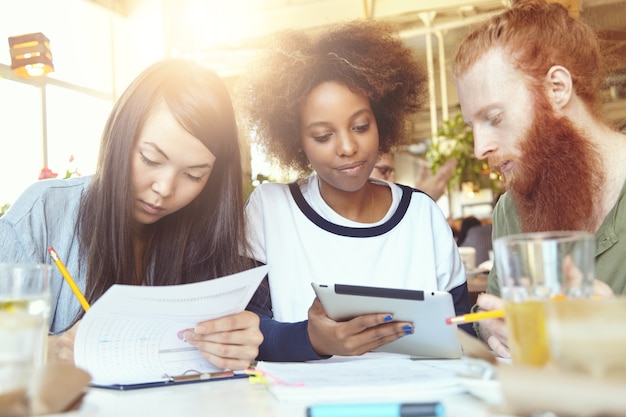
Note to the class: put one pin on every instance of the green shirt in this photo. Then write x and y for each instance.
(610, 242)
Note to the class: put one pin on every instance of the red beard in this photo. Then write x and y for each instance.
(558, 178)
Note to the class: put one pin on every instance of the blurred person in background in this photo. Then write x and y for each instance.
(434, 185)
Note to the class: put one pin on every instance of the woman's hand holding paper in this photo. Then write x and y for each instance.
(229, 342)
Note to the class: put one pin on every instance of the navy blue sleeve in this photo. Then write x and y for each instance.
(461, 299)
(282, 342)
(285, 342)
(261, 303)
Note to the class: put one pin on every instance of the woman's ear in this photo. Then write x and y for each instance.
(559, 86)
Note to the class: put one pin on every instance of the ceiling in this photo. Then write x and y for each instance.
(226, 35)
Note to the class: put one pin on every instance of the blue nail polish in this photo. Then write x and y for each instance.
(408, 329)
(388, 318)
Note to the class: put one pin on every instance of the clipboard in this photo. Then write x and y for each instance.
(177, 380)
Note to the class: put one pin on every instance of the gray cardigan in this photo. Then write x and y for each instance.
(45, 215)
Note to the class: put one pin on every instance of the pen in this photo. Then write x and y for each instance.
(434, 409)
(68, 279)
(481, 315)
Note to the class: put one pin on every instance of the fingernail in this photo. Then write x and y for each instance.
(388, 318)
(185, 335)
(408, 329)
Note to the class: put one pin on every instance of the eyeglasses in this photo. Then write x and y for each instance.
(385, 170)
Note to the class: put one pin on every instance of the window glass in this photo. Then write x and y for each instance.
(75, 124)
(21, 157)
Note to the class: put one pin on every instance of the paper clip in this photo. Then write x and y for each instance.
(193, 375)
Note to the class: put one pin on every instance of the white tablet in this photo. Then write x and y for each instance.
(427, 310)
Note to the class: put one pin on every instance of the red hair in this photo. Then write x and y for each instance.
(538, 35)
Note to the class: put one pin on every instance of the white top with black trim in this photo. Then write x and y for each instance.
(304, 240)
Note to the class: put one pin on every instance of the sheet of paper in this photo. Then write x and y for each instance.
(371, 377)
(133, 334)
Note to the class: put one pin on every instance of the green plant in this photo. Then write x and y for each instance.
(455, 139)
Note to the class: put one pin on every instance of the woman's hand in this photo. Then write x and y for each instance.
(229, 342)
(61, 347)
(354, 337)
(493, 331)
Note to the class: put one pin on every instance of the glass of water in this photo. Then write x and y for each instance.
(24, 318)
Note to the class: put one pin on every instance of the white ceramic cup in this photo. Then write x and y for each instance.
(468, 256)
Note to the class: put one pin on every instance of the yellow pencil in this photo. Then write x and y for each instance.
(481, 315)
(68, 279)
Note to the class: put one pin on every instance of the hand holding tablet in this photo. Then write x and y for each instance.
(427, 310)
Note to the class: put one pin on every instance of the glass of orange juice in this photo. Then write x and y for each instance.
(535, 269)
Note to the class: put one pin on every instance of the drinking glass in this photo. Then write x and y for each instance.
(587, 336)
(24, 317)
(535, 269)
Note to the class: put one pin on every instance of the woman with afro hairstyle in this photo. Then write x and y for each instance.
(327, 106)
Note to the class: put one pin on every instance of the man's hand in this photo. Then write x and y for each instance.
(575, 279)
(493, 331)
(229, 342)
(354, 337)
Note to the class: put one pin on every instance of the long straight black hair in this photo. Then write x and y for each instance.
(200, 241)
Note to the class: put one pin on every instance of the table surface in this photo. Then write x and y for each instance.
(227, 398)
(238, 397)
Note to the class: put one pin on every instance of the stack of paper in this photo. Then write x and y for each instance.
(371, 377)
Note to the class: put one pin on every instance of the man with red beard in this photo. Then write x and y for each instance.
(529, 84)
